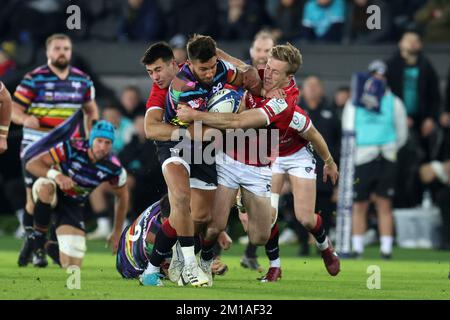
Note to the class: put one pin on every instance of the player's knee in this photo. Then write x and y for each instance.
(201, 219)
(259, 239)
(46, 192)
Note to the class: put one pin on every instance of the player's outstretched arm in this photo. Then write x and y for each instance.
(253, 118)
(120, 213)
(330, 168)
(5, 116)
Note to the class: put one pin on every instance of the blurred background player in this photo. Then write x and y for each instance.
(5, 116)
(381, 130)
(67, 175)
(45, 98)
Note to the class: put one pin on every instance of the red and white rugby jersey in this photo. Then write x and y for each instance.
(157, 98)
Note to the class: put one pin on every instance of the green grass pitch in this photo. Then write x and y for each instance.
(412, 274)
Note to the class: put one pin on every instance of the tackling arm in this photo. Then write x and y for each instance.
(155, 128)
(253, 118)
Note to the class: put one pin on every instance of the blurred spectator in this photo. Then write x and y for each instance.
(131, 103)
(192, 16)
(434, 17)
(141, 21)
(287, 19)
(259, 51)
(124, 127)
(178, 45)
(340, 97)
(356, 25)
(379, 120)
(324, 118)
(140, 160)
(7, 63)
(412, 78)
(243, 19)
(403, 12)
(323, 20)
(25, 16)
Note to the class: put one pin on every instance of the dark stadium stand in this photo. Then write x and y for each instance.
(118, 63)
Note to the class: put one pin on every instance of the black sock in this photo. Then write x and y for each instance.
(250, 250)
(39, 239)
(27, 221)
(186, 241)
(42, 215)
(197, 244)
(272, 248)
(208, 250)
(162, 247)
(319, 231)
(217, 250)
(52, 249)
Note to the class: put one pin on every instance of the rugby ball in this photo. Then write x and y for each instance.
(225, 100)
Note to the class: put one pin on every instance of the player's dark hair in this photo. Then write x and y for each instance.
(164, 204)
(201, 48)
(158, 50)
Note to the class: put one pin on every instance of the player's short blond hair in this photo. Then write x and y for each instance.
(290, 54)
(56, 36)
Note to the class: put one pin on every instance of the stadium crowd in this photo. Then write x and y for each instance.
(422, 160)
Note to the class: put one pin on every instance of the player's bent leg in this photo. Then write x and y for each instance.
(202, 202)
(259, 217)
(26, 251)
(221, 205)
(176, 176)
(304, 191)
(45, 199)
(72, 245)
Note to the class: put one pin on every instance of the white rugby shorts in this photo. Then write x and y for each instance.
(300, 164)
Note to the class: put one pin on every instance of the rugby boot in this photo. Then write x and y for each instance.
(331, 260)
(206, 268)
(251, 263)
(26, 252)
(176, 263)
(274, 274)
(150, 279)
(192, 274)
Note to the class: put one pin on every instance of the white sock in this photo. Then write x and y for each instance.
(151, 269)
(188, 254)
(386, 244)
(324, 245)
(358, 243)
(275, 263)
